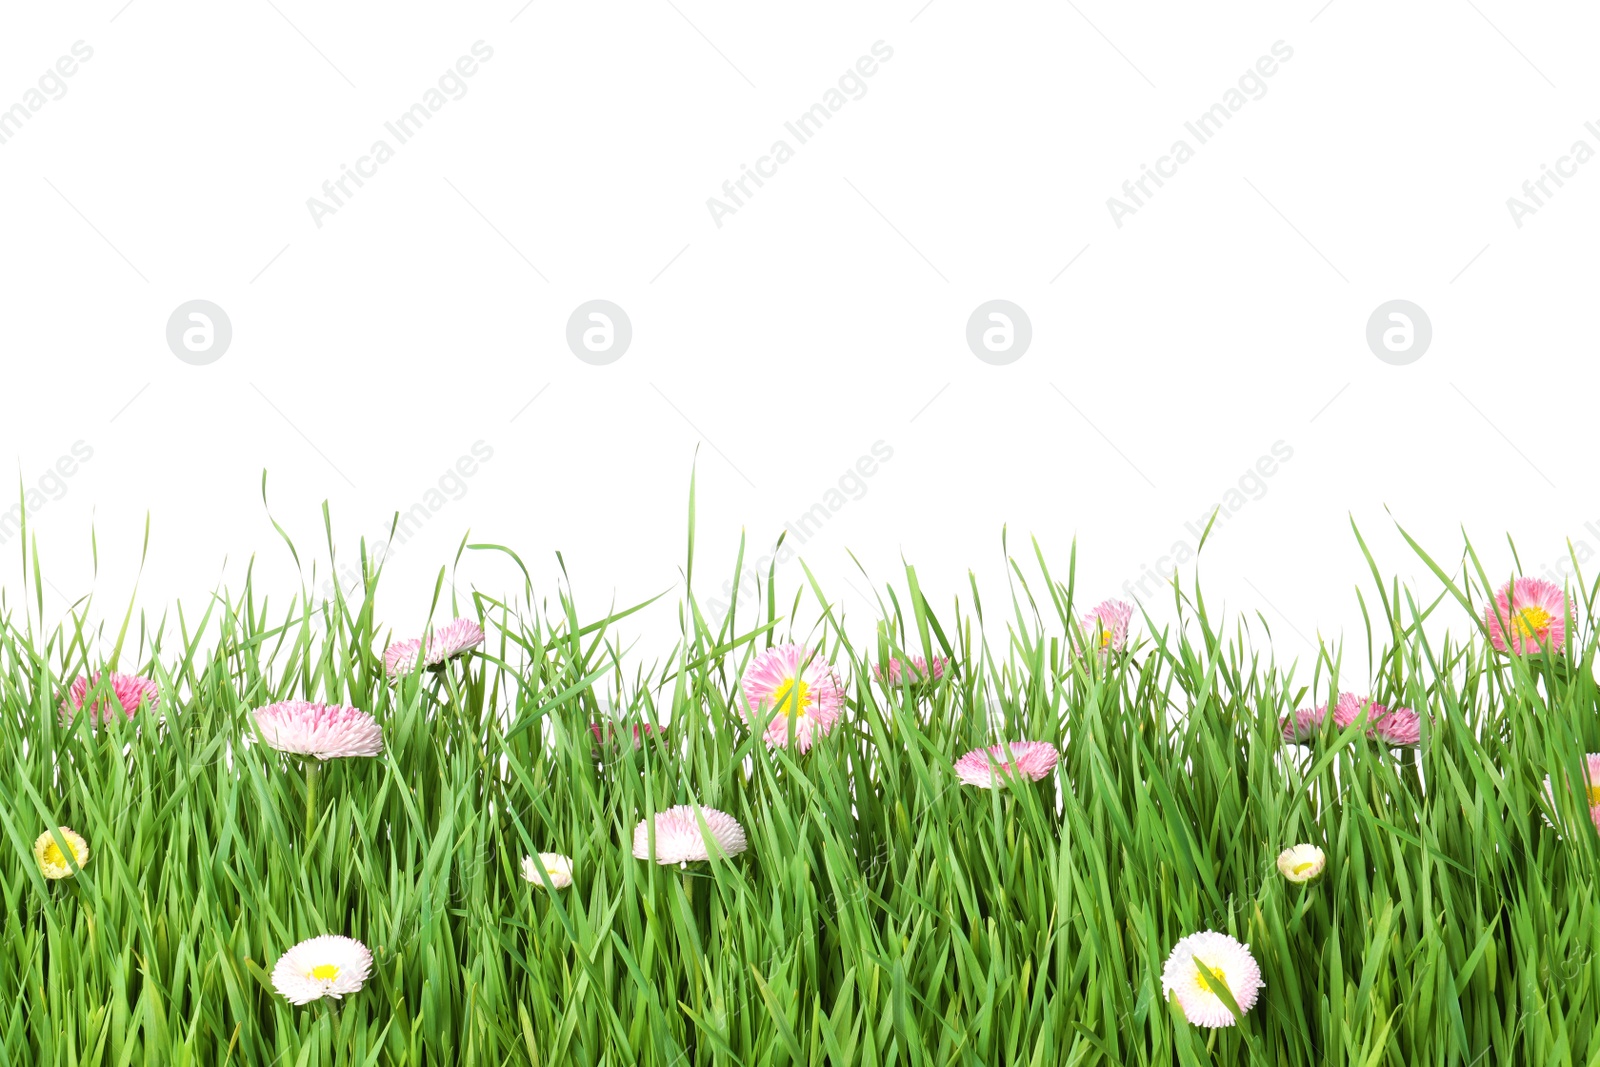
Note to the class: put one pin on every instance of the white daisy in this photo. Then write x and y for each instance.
(1227, 961)
(1301, 863)
(326, 966)
(557, 866)
(678, 836)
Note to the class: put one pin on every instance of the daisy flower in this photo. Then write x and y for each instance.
(455, 638)
(1226, 961)
(916, 670)
(1105, 629)
(1348, 709)
(326, 731)
(678, 836)
(1400, 728)
(128, 689)
(787, 682)
(52, 861)
(557, 866)
(1591, 787)
(986, 768)
(1303, 726)
(1534, 614)
(326, 966)
(1301, 864)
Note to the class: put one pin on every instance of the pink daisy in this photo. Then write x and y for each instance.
(1400, 728)
(1303, 726)
(326, 731)
(787, 682)
(129, 690)
(1105, 629)
(679, 839)
(1348, 709)
(916, 670)
(1591, 787)
(986, 768)
(1533, 610)
(446, 643)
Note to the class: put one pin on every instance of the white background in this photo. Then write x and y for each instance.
(827, 314)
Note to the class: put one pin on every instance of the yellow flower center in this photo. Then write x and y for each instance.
(1106, 637)
(1532, 622)
(1594, 793)
(792, 698)
(325, 972)
(1302, 868)
(1200, 976)
(53, 856)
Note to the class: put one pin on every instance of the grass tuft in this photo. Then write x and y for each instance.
(883, 913)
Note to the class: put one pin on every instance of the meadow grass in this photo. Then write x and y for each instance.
(883, 913)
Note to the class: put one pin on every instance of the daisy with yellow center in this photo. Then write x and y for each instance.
(326, 966)
(1198, 964)
(1528, 615)
(1301, 863)
(554, 864)
(789, 687)
(1589, 788)
(1105, 629)
(53, 863)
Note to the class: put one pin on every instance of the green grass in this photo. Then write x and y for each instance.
(882, 915)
